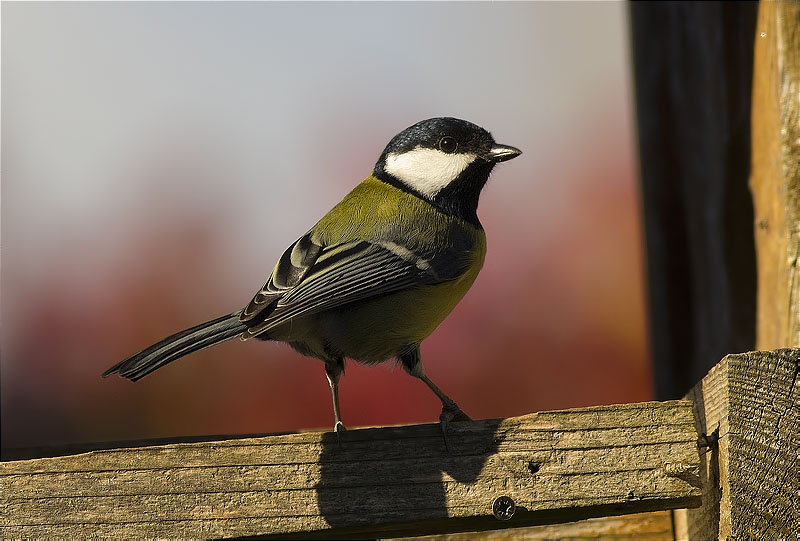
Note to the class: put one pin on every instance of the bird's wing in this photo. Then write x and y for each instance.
(311, 278)
(290, 270)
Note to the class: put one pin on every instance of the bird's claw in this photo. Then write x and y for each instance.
(450, 414)
(338, 428)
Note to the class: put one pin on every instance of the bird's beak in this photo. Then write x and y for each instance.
(502, 153)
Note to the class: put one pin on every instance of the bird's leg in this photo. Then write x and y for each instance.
(412, 362)
(334, 369)
(449, 408)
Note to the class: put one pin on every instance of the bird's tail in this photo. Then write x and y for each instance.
(179, 344)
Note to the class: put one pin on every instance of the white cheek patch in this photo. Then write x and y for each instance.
(427, 170)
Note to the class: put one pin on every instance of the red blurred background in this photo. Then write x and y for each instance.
(157, 159)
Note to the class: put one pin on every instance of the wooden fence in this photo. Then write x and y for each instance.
(729, 454)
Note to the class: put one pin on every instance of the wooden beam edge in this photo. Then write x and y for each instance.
(489, 458)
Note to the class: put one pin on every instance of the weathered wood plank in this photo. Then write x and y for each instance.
(775, 175)
(749, 405)
(556, 466)
(654, 526)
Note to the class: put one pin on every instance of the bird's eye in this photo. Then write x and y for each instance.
(448, 144)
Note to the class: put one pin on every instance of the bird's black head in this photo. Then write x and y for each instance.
(446, 161)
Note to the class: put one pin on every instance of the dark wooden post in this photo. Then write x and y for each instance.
(693, 70)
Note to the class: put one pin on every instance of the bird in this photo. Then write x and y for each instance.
(375, 275)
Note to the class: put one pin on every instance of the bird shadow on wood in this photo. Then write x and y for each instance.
(400, 475)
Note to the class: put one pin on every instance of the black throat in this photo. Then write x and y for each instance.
(459, 198)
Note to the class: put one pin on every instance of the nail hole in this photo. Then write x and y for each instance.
(534, 466)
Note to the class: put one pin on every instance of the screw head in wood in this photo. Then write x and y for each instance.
(503, 508)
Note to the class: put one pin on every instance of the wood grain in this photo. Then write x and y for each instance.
(751, 403)
(654, 526)
(557, 466)
(775, 175)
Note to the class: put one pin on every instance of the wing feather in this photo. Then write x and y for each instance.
(369, 271)
(342, 274)
(290, 270)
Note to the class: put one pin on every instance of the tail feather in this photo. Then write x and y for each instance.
(177, 345)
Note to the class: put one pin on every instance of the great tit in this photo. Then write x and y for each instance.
(379, 272)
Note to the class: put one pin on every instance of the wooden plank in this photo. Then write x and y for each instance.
(775, 176)
(749, 406)
(556, 466)
(654, 526)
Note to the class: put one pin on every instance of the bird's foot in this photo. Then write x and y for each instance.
(450, 413)
(454, 413)
(338, 428)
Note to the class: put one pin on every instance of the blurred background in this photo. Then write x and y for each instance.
(157, 158)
